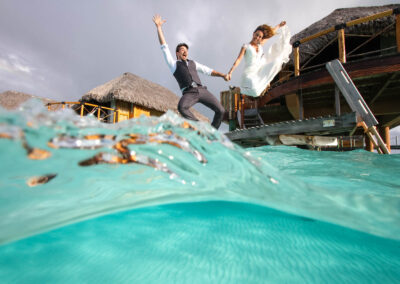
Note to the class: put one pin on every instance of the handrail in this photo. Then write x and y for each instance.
(350, 23)
(100, 109)
(341, 36)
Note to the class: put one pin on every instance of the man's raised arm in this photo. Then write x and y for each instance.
(159, 22)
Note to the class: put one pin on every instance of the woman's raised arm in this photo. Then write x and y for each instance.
(274, 29)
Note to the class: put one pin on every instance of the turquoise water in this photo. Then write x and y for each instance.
(193, 208)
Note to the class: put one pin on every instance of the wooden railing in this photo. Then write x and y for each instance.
(341, 37)
(103, 113)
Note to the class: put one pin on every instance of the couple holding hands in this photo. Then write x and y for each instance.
(259, 70)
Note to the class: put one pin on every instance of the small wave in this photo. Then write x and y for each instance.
(98, 168)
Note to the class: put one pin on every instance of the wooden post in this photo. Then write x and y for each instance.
(398, 32)
(379, 144)
(387, 137)
(114, 116)
(98, 113)
(379, 141)
(242, 112)
(301, 109)
(368, 143)
(337, 101)
(296, 57)
(82, 108)
(342, 46)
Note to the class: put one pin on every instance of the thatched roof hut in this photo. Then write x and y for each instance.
(12, 99)
(137, 91)
(338, 17)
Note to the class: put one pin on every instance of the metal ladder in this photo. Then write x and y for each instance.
(356, 103)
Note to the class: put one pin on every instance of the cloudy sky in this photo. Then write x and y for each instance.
(60, 49)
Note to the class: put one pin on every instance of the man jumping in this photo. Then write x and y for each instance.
(185, 72)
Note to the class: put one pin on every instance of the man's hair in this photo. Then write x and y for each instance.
(179, 46)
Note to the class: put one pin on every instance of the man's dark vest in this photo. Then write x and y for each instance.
(186, 74)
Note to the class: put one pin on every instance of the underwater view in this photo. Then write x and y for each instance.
(167, 200)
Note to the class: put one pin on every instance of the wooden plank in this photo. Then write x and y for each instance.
(350, 92)
(321, 125)
(315, 141)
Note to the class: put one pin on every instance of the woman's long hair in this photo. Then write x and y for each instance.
(266, 30)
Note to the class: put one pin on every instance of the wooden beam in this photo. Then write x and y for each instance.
(370, 39)
(296, 56)
(342, 46)
(337, 101)
(386, 107)
(373, 134)
(370, 18)
(390, 121)
(383, 87)
(368, 143)
(301, 106)
(398, 32)
(387, 137)
(242, 112)
(293, 105)
(327, 31)
(356, 69)
(348, 24)
(318, 53)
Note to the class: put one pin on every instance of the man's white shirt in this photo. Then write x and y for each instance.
(171, 62)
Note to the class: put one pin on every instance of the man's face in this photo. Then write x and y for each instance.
(182, 53)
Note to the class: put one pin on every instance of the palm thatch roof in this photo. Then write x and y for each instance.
(12, 99)
(134, 89)
(338, 17)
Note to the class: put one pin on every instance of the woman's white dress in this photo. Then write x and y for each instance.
(261, 68)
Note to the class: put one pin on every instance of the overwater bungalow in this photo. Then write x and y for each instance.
(125, 97)
(11, 100)
(304, 98)
(132, 96)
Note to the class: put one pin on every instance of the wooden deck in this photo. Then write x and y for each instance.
(259, 135)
